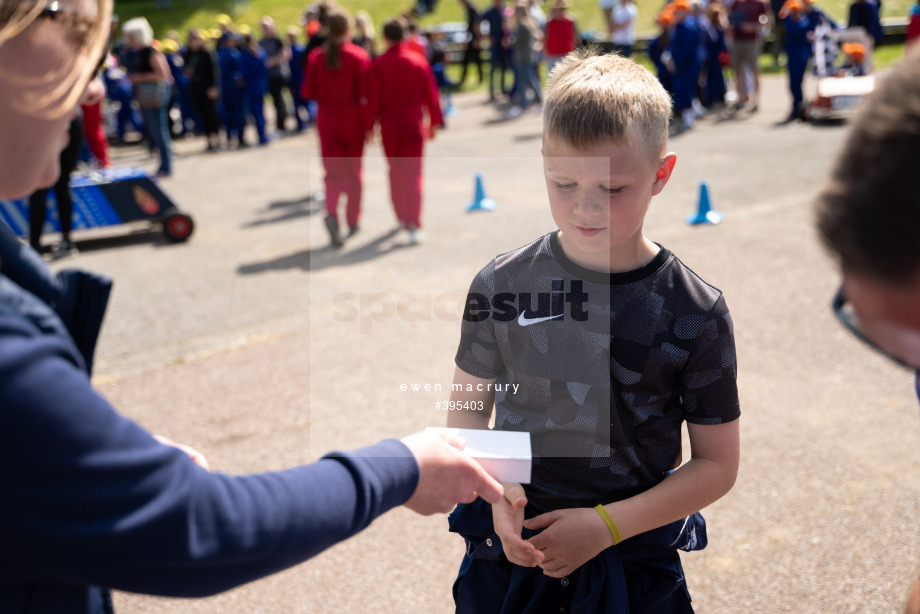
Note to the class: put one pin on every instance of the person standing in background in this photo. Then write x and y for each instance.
(402, 85)
(277, 58)
(337, 79)
(471, 53)
(152, 88)
(498, 47)
(716, 55)
(684, 62)
(298, 50)
(365, 36)
(255, 74)
(232, 89)
(865, 14)
(94, 133)
(800, 34)
(38, 201)
(560, 34)
(748, 20)
(202, 87)
(623, 27)
(526, 39)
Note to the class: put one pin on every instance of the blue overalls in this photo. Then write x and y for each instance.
(255, 74)
(231, 92)
(798, 52)
(685, 51)
(296, 65)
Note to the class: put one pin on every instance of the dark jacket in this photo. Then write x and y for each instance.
(89, 499)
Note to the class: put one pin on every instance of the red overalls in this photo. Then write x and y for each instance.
(402, 83)
(343, 119)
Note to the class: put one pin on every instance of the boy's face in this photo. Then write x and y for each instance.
(599, 196)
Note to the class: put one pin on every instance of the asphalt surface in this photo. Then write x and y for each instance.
(262, 347)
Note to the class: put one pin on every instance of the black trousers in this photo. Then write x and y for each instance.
(276, 87)
(471, 55)
(38, 201)
(207, 109)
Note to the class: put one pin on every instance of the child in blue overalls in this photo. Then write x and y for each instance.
(119, 89)
(685, 61)
(798, 45)
(716, 55)
(296, 64)
(255, 74)
(173, 52)
(658, 47)
(231, 88)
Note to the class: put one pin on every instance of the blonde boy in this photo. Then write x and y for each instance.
(613, 343)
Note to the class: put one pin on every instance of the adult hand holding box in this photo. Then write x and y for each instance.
(505, 455)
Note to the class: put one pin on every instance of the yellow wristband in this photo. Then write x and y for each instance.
(610, 524)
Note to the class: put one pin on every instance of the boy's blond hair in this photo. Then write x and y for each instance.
(592, 98)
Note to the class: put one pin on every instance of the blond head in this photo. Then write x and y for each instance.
(591, 99)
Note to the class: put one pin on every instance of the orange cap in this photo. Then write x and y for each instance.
(790, 6)
(665, 18)
(855, 50)
(677, 5)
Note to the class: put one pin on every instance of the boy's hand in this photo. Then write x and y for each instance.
(570, 538)
(508, 519)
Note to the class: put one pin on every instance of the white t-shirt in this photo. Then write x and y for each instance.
(608, 4)
(624, 14)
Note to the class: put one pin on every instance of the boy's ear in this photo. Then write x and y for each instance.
(663, 172)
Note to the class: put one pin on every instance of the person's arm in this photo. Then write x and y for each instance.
(574, 536)
(89, 497)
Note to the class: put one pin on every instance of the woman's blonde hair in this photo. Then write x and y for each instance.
(364, 25)
(139, 29)
(69, 80)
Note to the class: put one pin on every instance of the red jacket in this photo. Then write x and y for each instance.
(560, 36)
(340, 94)
(402, 82)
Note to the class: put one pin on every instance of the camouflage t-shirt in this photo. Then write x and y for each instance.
(600, 368)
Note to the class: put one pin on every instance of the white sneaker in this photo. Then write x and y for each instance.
(416, 236)
(63, 249)
(698, 107)
(514, 111)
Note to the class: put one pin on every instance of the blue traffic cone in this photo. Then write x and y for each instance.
(704, 214)
(480, 202)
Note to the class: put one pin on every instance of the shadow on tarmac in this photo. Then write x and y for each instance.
(293, 209)
(152, 234)
(326, 257)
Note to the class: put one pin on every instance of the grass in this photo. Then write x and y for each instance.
(203, 13)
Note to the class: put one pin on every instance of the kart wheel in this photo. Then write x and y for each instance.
(177, 226)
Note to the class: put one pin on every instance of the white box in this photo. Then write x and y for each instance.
(505, 455)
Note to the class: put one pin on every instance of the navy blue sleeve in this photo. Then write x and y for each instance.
(89, 497)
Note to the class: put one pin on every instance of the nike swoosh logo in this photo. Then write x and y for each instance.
(523, 320)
